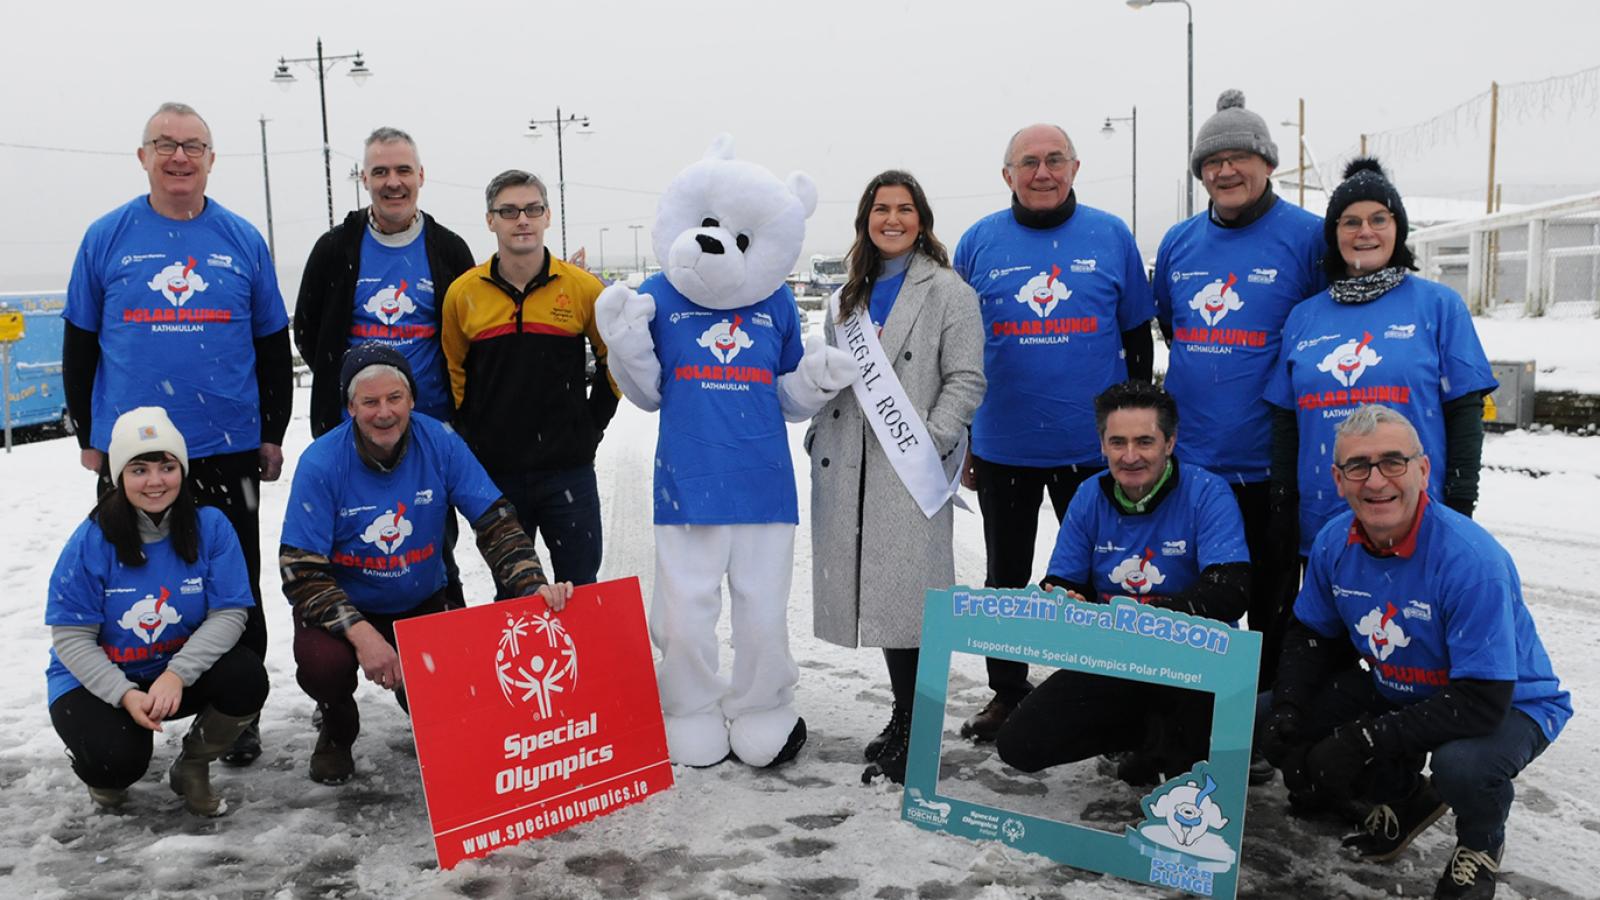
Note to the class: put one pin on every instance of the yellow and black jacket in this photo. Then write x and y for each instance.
(517, 367)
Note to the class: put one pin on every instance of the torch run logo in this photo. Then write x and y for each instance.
(536, 660)
(1043, 292)
(178, 282)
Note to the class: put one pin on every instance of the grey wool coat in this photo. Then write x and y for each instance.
(874, 553)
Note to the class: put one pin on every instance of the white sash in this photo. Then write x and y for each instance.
(900, 431)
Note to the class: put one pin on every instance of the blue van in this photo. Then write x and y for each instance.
(35, 387)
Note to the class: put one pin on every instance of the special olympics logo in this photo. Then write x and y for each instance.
(1012, 831)
(536, 660)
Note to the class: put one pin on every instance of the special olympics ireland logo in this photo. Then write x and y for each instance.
(536, 661)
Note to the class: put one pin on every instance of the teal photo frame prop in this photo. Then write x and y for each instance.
(1193, 829)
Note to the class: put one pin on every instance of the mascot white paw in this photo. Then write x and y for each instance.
(699, 741)
(767, 738)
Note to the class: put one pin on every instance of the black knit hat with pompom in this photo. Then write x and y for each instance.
(1364, 179)
(1232, 127)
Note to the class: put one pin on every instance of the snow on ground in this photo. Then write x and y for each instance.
(809, 829)
(1563, 344)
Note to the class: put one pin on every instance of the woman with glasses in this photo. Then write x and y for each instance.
(884, 454)
(1378, 334)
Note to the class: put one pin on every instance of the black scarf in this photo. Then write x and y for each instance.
(1369, 287)
(1049, 218)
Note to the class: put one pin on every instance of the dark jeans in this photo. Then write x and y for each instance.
(1472, 775)
(231, 482)
(564, 504)
(326, 666)
(1274, 581)
(1077, 715)
(1009, 498)
(109, 750)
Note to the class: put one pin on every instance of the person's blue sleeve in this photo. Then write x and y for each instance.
(77, 592)
(1074, 543)
(1161, 287)
(1480, 621)
(1280, 382)
(86, 294)
(962, 261)
(470, 488)
(1464, 367)
(1220, 527)
(1136, 306)
(309, 518)
(268, 315)
(1315, 278)
(228, 581)
(1314, 606)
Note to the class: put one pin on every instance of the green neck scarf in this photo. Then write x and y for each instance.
(1131, 506)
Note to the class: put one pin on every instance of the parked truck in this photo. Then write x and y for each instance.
(33, 383)
(828, 274)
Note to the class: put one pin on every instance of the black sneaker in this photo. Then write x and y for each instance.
(986, 724)
(1469, 874)
(246, 747)
(1388, 830)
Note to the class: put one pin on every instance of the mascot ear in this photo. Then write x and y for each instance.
(801, 185)
(721, 147)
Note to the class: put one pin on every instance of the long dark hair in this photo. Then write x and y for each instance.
(865, 257)
(118, 520)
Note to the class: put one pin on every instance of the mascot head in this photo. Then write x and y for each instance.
(728, 232)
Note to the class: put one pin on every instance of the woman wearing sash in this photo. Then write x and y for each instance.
(885, 453)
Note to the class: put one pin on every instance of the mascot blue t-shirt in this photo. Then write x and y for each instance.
(178, 306)
(145, 613)
(1149, 555)
(384, 532)
(396, 305)
(1412, 349)
(1451, 609)
(730, 464)
(1055, 303)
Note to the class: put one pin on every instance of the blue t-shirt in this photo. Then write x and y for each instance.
(1055, 303)
(178, 306)
(884, 293)
(1224, 294)
(1412, 349)
(1148, 555)
(395, 304)
(722, 457)
(1453, 609)
(145, 613)
(384, 532)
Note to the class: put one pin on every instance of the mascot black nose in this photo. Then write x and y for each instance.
(708, 244)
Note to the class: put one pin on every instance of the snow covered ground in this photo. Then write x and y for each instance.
(809, 829)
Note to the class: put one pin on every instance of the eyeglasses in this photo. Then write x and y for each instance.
(1389, 466)
(510, 213)
(1055, 162)
(1380, 221)
(1214, 164)
(168, 146)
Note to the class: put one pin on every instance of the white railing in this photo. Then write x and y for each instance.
(1432, 246)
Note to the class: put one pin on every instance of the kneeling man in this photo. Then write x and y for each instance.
(1457, 671)
(363, 542)
(1152, 531)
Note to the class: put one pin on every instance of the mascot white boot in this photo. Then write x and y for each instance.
(714, 342)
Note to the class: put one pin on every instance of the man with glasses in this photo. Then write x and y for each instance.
(1225, 281)
(173, 302)
(1066, 311)
(513, 331)
(1455, 668)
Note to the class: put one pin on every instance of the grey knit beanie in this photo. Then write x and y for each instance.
(1233, 127)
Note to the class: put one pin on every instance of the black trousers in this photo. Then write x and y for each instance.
(110, 750)
(1274, 581)
(1009, 498)
(1077, 715)
(231, 482)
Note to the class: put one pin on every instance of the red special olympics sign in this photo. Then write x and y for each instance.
(528, 722)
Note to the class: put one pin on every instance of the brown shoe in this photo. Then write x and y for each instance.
(986, 724)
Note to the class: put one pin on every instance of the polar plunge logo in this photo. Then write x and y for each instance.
(1217, 299)
(1042, 293)
(389, 530)
(536, 660)
(178, 282)
(390, 304)
(1138, 574)
(726, 339)
(1349, 360)
(150, 616)
(1383, 632)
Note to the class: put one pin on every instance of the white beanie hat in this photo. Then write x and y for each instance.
(144, 430)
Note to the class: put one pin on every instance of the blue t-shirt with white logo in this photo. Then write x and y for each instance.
(1148, 555)
(384, 531)
(1224, 294)
(395, 304)
(1412, 349)
(1055, 303)
(178, 306)
(1453, 609)
(145, 613)
(722, 455)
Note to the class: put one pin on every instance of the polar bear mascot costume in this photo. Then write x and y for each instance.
(714, 342)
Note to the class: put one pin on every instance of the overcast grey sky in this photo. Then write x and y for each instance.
(840, 90)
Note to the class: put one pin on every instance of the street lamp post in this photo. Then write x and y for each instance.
(359, 73)
(602, 262)
(355, 181)
(636, 229)
(1188, 179)
(1110, 129)
(561, 167)
(266, 184)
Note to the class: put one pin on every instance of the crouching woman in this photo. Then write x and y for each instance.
(145, 608)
